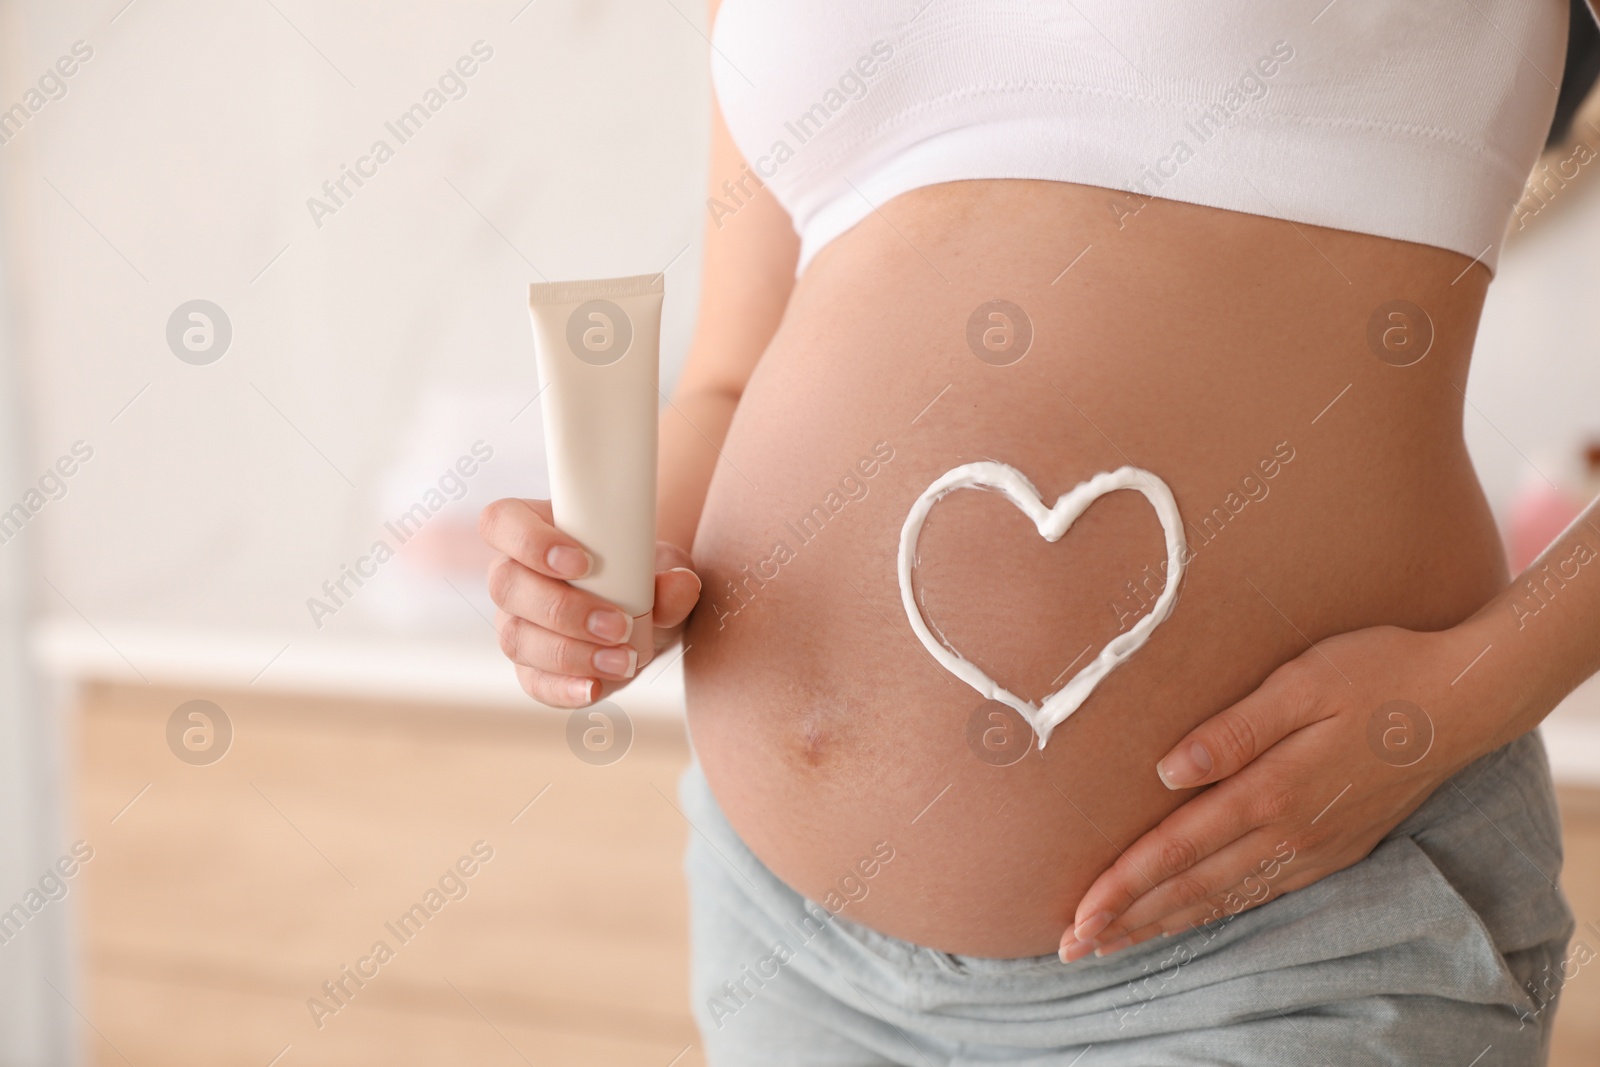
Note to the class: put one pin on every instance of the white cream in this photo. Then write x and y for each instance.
(1051, 523)
(597, 346)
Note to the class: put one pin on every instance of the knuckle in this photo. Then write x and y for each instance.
(529, 543)
(1252, 887)
(558, 608)
(1186, 889)
(1175, 854)
(1270, 806)
(539, 686)
(571, 657)
(502, 580)
(510, 636)
(514, 528)
(1313, 838)
(1235, 738)
(1297, 687)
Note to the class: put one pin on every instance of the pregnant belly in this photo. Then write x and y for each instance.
(1267, 372)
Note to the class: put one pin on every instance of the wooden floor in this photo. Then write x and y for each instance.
(220, 898)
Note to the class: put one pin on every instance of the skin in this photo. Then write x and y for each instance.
(569, 646)
(1208, 346)
(1308, 724)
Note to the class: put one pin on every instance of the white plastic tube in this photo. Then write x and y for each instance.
(597, 345)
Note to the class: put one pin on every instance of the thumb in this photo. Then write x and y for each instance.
(677, 592)
(1226, 742)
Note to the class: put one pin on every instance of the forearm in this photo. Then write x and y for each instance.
(1540, 638)
(748, 275)
(693, 426)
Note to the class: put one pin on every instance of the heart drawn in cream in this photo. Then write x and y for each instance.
(1052, 523)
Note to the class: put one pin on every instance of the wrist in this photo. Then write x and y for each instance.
(1485, 688)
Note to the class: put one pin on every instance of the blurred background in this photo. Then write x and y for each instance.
(238, 342)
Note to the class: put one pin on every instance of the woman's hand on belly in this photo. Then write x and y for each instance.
(570, 647)
(1311, 770)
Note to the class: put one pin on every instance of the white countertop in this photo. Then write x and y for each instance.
(438, 670)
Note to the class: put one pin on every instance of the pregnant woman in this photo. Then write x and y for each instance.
(1243, 246)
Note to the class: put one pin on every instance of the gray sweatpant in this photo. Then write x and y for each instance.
(1445, 946)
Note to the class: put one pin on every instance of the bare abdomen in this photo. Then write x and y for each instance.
(1324, 489)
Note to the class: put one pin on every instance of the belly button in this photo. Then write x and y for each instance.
(814, 743)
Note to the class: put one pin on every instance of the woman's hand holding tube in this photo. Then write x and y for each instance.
(1308, 773)
(570, 646)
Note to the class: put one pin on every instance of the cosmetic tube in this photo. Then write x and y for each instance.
(598, 350)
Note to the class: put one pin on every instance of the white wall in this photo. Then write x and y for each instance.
(178, 166)
(1535, 387)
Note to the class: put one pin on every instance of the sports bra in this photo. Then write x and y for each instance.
(1418, 120)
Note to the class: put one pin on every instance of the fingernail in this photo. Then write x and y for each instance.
(568, 562)
(608, 625)
(1185, 768)
(1091, 926)
(1115, 946)
(617, 662)
(581, 689)
(698, 584)
(1073, 951)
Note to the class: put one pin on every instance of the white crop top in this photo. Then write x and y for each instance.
(1413, 119)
